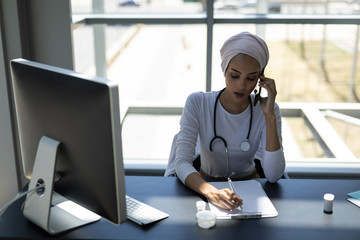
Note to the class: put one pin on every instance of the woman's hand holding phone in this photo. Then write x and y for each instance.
(267, 103)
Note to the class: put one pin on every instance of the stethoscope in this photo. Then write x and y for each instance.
(244, 145)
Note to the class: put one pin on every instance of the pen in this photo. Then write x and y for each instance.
(232, 189)
(231, 186)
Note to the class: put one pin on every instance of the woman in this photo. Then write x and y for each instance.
(231, 127)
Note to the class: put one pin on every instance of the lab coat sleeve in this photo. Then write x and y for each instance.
(273, 162)
(187, 137)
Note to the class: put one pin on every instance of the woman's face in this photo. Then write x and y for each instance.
(241, 77)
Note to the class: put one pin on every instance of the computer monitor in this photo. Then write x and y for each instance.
(68, 135)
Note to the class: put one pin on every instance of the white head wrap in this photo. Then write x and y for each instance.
(245, 43)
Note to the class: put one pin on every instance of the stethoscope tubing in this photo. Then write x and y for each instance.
(214, 127)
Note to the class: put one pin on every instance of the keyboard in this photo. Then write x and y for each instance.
(142, 213)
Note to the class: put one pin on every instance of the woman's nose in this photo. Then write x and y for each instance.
(242, 83)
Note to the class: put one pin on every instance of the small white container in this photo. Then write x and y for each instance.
(328, 203)
(206, 219)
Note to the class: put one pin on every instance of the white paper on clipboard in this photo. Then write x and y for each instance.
(255, 201)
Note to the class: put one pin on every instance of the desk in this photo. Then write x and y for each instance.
(298, 201)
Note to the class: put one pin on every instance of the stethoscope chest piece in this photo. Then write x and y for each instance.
(245, 146)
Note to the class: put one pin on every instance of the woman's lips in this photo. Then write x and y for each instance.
(238, 95)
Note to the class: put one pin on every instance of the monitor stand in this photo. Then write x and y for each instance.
(45, 208)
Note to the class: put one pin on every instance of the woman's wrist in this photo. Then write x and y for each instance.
(207, 190)
(270, 117)
(272, 138)
(198, 184)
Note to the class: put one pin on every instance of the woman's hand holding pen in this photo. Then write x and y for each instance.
(225, 198)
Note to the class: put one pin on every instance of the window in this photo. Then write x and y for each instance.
(160, 51)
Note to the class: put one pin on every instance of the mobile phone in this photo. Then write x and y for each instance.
(257, 95)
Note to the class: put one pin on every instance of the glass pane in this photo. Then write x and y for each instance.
(139, 6)
(115, 39)
(247, 6)
(349, 133)
(83, 42)
(306, 144)
(304, 60)
(148, 137)
(160, 64)
(286, 7)
(152, 63)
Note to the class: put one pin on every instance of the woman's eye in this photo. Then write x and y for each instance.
(234, 76)
(251, 78)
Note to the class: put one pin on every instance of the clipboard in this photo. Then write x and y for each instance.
(256, 204)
